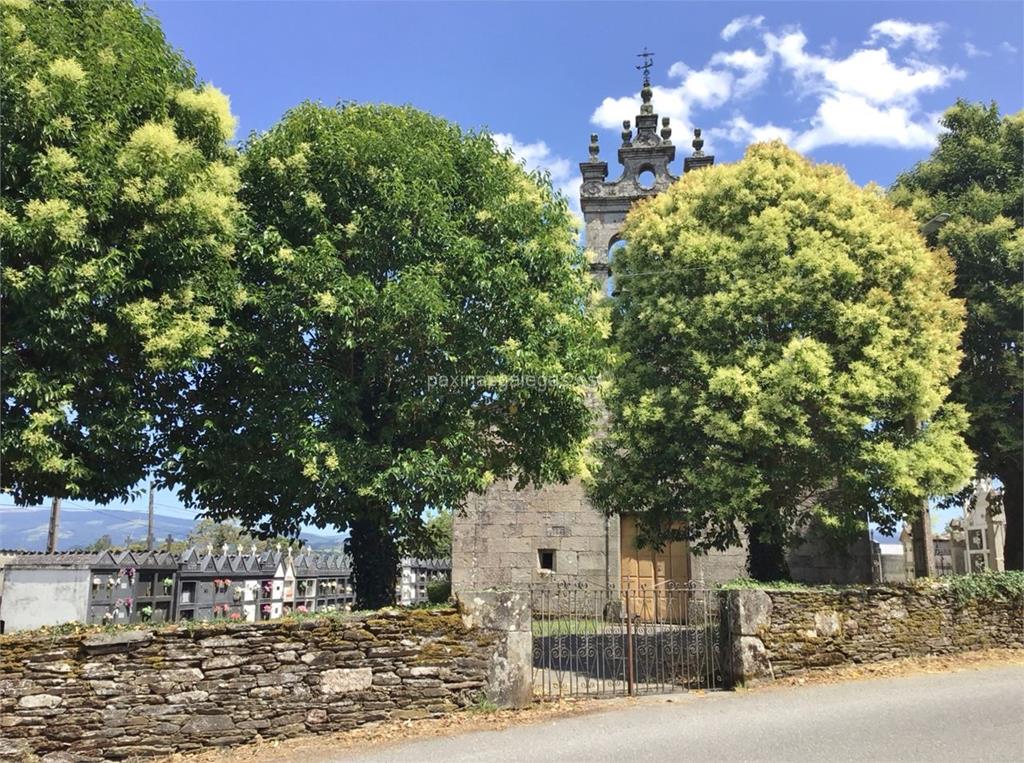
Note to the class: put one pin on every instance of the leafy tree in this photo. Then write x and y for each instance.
(415, 306)
(103, 543)
(976, 175)
(209, 532)
(784, 332)
(435, 539)
(117, 214)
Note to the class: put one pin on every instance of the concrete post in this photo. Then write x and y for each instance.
(508, 617)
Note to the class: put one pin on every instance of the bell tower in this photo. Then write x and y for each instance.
(645, 155)
(512, 538)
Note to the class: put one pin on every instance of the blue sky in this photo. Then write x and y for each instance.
(855, 83)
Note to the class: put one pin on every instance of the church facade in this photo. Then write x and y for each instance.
(510, 538)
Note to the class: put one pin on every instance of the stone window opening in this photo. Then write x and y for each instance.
(546, 559)
(612, 287)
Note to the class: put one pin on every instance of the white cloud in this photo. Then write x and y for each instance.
(705, 88)
(848, 119)
(869, 73)
(534, 156)
(973, 51)
(740, 130)
(866, 98)
(873, 75)
(755, 68)
(737, 25)
(870, 96)
(538, 156)
(1008, 47)
(668, 102)
(921, 36)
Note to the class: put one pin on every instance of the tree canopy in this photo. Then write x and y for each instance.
(414, 326)
(117, 217)
(976, 175)
(784, 351)
(435, 539)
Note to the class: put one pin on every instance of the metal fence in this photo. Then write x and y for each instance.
(640, 639)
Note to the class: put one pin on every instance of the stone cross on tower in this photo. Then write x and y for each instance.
(645, 156)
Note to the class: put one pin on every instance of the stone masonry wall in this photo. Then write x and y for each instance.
(495, 543)
(780, 633)
(103, 696)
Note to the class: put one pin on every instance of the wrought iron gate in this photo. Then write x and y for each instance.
(636, 640)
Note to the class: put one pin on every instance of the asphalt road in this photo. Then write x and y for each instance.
(975, 715)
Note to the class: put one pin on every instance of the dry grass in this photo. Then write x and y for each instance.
(307, 748)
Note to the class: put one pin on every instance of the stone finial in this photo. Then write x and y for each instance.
(595, 149)
(224, 549)
(646, 107)
(627, 133)
(666, 131)
(698, 142)
(209, 549)
(252, 549)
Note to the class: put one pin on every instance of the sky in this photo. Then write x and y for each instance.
(860, 84)
(857, 83)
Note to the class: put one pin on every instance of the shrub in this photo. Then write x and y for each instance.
(987, 586)
(439, 591)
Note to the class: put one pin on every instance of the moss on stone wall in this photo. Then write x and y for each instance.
(113, 694)
(785, 631)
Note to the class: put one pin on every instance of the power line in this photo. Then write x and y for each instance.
(117, 513)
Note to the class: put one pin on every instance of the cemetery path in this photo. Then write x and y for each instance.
(973, 715)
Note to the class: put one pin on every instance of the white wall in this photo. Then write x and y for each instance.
(33, 597)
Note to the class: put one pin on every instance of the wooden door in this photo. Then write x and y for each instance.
(650, 578)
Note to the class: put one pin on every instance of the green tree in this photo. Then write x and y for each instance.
(783, 333)
(435, 539)
(415, 326)
(117, 216)
(103, 543)
(976, 175)
(210, 532)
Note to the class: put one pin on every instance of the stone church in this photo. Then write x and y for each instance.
(511, 538)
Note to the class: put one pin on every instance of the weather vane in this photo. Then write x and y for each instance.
(645, 67)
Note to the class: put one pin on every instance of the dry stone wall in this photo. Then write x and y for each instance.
(103, 696)
(779, 633)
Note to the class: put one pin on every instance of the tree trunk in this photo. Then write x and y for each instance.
(374, 564)
(1013, 510)
(923, 542)
(766, 552)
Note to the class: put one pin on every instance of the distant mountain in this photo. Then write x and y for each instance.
(26, 528)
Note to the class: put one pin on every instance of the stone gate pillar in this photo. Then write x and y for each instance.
(507, 616)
